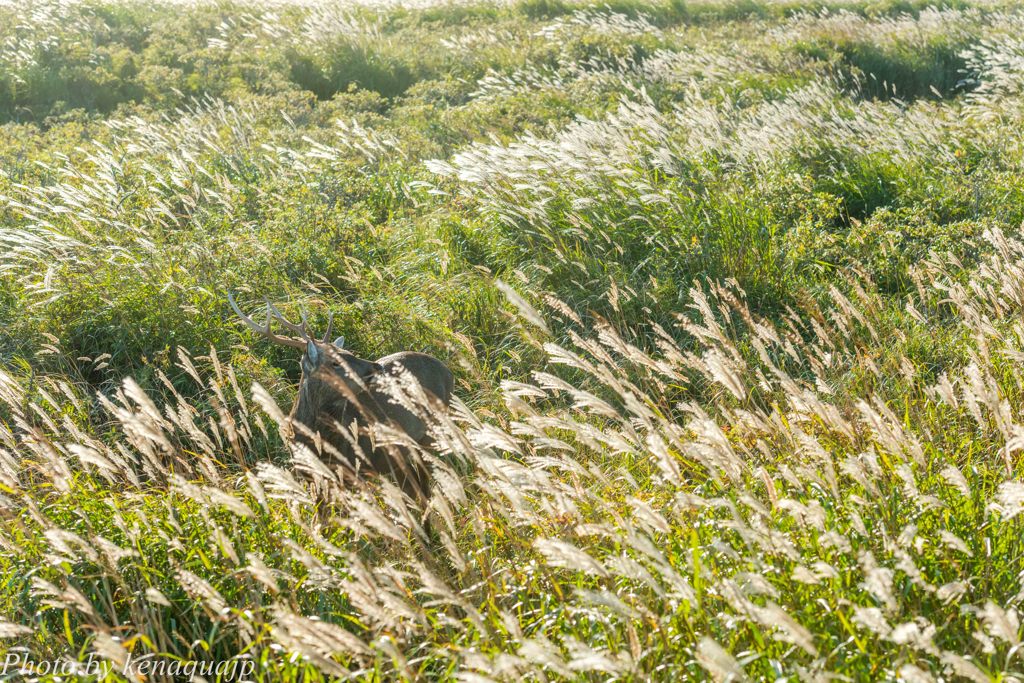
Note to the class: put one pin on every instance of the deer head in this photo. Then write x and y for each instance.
(332, 378)
(333, 387)
(330, 374)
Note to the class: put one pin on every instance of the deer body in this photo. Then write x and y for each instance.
(433, 376)
(339, 390)
(341, 396)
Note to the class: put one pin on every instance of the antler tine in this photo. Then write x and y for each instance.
(264, 330)
(301, 330)
(246, 319)
(330, 327)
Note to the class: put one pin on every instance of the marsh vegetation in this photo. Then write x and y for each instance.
(732, 292)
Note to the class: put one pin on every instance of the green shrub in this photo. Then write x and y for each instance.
(345, 66)
(542, 9)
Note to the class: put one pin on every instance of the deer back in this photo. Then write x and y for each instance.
(432, 376)
(337, 388)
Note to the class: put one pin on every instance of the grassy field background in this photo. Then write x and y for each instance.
(733, 293)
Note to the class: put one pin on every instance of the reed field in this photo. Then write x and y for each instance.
(733, 291)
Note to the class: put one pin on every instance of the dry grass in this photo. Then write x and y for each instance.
(699, 437)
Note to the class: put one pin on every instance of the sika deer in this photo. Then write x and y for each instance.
(342, 396)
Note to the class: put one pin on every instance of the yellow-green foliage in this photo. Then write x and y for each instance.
(732, 291)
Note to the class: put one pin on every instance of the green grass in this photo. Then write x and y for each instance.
(731, 292)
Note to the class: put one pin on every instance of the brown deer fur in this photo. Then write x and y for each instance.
(338, 389)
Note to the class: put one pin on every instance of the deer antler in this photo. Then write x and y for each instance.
(264, 329)
(302, 329)
(330, 327)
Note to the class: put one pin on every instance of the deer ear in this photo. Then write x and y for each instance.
(340, 342)
(311, 358)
